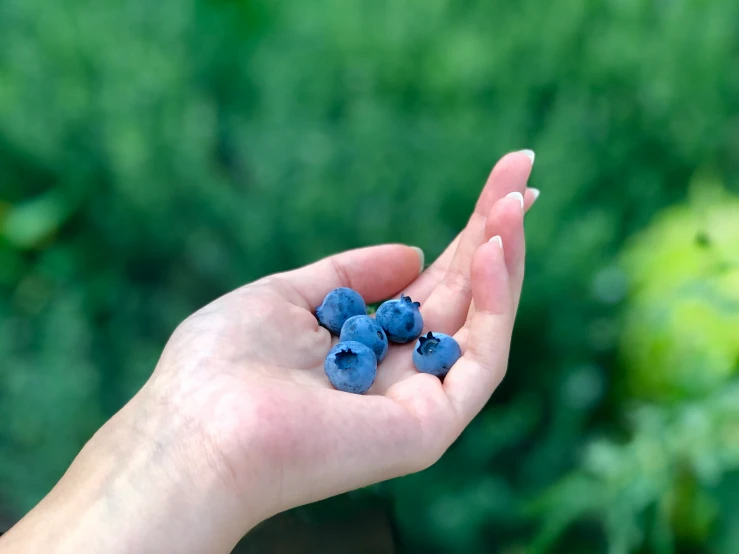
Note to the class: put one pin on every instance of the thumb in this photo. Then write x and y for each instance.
(375, 272)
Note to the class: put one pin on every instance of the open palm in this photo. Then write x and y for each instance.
(245, 373)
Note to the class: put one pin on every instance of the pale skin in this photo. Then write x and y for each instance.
(238, 421)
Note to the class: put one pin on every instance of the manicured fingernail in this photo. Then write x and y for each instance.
(517, 195)
(535, 193)
(421, 258)
(497, 240)
(529, 154)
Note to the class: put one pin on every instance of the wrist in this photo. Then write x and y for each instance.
(143, 483)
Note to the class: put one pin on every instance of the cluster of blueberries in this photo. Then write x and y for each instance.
(351, 365)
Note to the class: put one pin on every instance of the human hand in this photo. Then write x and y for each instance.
(240, 415)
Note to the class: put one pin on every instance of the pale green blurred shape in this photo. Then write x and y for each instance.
(681, 330)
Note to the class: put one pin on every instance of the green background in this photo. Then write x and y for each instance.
(154, 155)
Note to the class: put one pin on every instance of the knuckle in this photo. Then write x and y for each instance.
(341, 272)
(457, 281)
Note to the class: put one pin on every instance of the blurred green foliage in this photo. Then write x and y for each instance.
(154, 155)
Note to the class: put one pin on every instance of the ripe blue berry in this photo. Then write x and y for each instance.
(436, 353)
(401, 319)
(351, 367)
(364, 329)
(338, 306)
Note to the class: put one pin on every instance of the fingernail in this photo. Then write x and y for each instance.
(421, 258)
(535, 193)
(529, 154)
(517, 195)
(497, 240)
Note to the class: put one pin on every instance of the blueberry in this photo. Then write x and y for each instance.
(436, 353)
(364, 329)
(401, 319)
(351, 367)
(338, 306)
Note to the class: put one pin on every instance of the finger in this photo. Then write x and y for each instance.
(530, 197)
(442, 262)
(509, 174)
(376, 272)
(439, 266)
(445, 310)
(475, 376)
(506, 220)
(432, 275)
(448, 306)
(435, 272)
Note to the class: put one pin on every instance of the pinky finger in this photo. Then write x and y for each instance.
(530, 197)
(475, 376)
